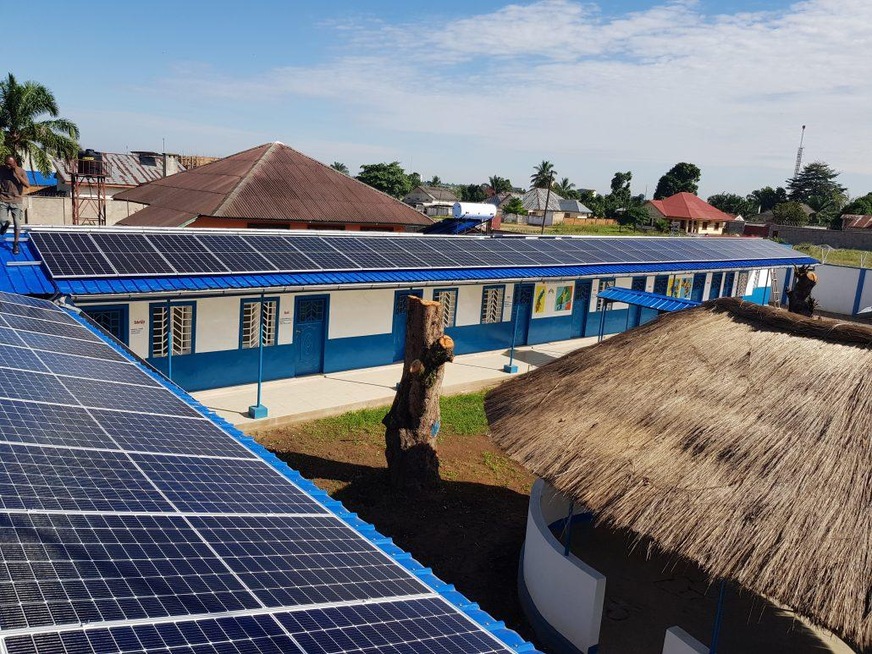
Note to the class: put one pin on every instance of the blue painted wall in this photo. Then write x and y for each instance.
(616, 321)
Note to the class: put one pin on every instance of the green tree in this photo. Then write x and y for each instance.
(681, 178)
(789, 213)
(339, 167)
(471, 193)
(766, 198)
(27, 131)
(388, 178)
(733, 203)
(859, 206)
(594, 202)
(515, 206)
(815, 179)
(499, 184)
(632, 216)
(543, 175)
(435, 181)
(565, 189)
(414, 180)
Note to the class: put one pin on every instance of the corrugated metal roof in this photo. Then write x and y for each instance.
(126, 168)
(270, 182)
(647, 300)
(22, 273)
(534, 200)
(687, 206)
(856, 221)
(157, 285)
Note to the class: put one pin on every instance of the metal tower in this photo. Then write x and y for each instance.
(88, 188)
(799, 153)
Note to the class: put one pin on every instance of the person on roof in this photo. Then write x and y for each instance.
(13, 181)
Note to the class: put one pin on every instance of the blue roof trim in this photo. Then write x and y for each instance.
(647, 300)
(145, 285)
(448, 592)
(36, 178)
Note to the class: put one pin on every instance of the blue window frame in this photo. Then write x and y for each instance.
(447, 297)
(180, 322)
(492, 301)
(114, 318)
(638, 283)
(715, 289)
(661, 284)
(251, 312)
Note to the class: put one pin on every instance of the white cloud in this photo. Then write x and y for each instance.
(558, 79)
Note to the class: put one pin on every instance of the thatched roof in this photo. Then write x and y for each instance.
(735, 435)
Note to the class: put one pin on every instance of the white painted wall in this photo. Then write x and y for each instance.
(41, 210)
(362, 313)
(678, 641)
(469, 305)
(286, 319)
(649, 284)
(217, 325)
(567, 592)
(138, 326)
(836, 288)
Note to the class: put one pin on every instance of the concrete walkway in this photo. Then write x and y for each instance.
(318, 396)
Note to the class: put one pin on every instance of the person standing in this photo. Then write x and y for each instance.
(13, 181)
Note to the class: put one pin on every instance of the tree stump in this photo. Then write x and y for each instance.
(412, 423)
(799, 298)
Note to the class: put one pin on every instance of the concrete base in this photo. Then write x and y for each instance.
(257, 411)
(510, 369)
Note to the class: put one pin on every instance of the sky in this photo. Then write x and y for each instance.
(466, 89)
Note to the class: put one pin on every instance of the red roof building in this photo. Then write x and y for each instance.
(694, 215)
(272, 186)
(856, 221)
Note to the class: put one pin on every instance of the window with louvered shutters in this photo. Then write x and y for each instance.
(448, 299)
(492, 304)
(251, 322)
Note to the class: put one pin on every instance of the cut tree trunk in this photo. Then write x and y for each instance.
(412, 423)
(799, 298)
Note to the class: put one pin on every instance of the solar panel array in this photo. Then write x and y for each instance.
(113, 254)
(129, 522)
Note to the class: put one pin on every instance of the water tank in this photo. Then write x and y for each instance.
(479, 211)
(90, 162)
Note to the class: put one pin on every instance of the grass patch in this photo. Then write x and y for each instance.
(840, 257)
(462, 415)
(579, 229)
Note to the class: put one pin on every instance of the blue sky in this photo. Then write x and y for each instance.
(468, 89)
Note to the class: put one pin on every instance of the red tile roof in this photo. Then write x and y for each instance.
(269, 182)
(856, 221)
(687, 206)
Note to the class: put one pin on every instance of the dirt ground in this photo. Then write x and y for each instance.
(470, 532)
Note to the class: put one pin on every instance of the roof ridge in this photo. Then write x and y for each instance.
(244, 179)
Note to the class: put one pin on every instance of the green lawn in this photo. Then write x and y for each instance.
(462, 415)
(589, 230)
(856, 258)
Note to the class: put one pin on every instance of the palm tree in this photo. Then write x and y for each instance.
(543, 175)
(339, 167)
(565, 188)
(24, 134)
(499, 184)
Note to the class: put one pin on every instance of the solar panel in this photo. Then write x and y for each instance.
(49, 343)
(191, 252)
(21, 358)
(131, 523)
(287, 561)
(201, 485)
(70, 330)
(131, 254)
(424, 625)
(172, 434)
(62, 479)
(186, 255)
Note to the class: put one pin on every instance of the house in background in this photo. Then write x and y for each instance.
(432, 200)
(269, 186)
(49, 201)
(856, 222)
(557, 210)
(693, 215)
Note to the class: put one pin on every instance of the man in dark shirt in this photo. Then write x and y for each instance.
(13, 181)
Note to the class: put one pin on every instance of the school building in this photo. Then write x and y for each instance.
(203, 307)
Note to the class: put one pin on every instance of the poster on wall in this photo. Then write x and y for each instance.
(680, 286)
(553, 299)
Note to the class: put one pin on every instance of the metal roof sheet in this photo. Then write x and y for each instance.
(269, 182)
(688, 206)
(645, 299)
(205, 283)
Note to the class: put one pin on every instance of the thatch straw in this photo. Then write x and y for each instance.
(735, 435)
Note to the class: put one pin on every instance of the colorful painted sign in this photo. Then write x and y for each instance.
(680, 286)
(552, 300)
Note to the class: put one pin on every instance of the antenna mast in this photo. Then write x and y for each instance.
(799, 153)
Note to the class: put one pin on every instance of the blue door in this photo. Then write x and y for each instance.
(401, 310)
(310, 330)
(522, 311)
(580, 307)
